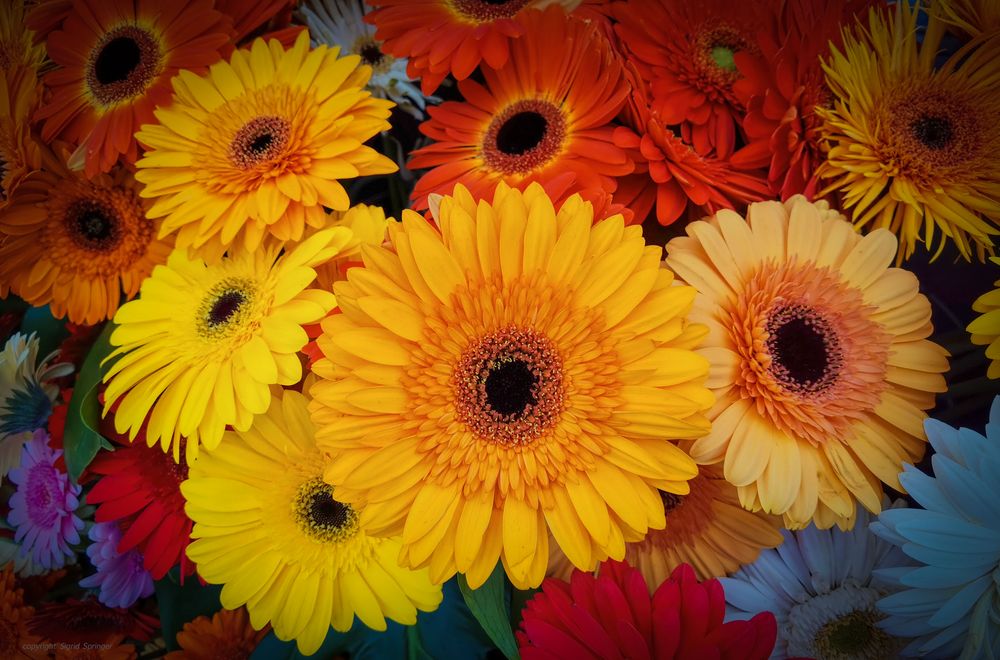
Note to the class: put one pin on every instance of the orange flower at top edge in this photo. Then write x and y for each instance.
(783, 84)
(451, 36)
(115, 59)
(544, 116)
(686, 50)
(228, 634)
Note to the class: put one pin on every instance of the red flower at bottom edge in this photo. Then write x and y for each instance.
(612, 616)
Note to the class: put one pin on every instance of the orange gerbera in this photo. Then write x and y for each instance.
(783, 84)
(228, 634)
(19, 152)
(115, 59)
(686, 50)
(77, 244)
(14, 616)
(544, 116)
(451, 36)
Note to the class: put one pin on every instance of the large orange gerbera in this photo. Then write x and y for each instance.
(544, 116)
(115, 59)
(451, 36)
(686, 50)
(783, 84)
(78, 244)
(820, 358)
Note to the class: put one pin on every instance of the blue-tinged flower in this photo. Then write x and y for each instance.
(121, 578)
(822, 587)
(950, 603)
(25, 395)
(341, 23)
(42, 508)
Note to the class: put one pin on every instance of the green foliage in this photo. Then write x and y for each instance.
(81, 439)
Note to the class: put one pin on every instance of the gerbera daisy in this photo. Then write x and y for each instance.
(297, 558)
(113, 648)
(686, 51)
(822, 586)
(518, 372)
(671, 171)
(114, 60)
(442, 37)
(201, 346)
(782, 83)
(16, 43)
(138, 488)
(120, 576)
(368, 226)
(227, 634)
(819, 356)
(986, 328)
(949, 601)
(342, 23)
(20, 153)
(15, 638)
(543, 116)
(972, 17)
(613, 616)
(912, 144)
(258, 145)
(43, 507)
(78, 244)
(87, 621)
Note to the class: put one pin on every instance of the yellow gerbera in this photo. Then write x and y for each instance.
(201, 346)
(256, 147)
(517, 372)
(972, 17)
(913, 144)
(20, 153)
(820, 358)
(268, 529)
(16, 47)
(986, 328)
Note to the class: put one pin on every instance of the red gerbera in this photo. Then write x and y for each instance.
(612, 616)
(783, 84)
(686, 50)
(450, 36)
(89, 622)
(139, 487)
(545, 116)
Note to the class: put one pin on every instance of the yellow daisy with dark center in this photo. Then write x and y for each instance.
(820, 358)
(202, 345)
(519, 371)
(272, 533)
(912, 144)
(256, 148)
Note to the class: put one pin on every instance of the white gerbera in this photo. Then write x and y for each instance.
(341, 23)
(951, 602)
(822, 589)
(26, 396)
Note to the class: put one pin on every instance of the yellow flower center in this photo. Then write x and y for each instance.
(320, 516)
(123, 64)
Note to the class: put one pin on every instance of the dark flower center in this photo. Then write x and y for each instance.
(93, 225)
(325, 511)
(123, 64)
(259, 140)
(934, 132)
(510, 387)
(225, 307)
(855, 635)
(670, 501)
(521, 133)
(117, 60)
(320, 516)
(804, 349)
(488, 10)
(371, 54)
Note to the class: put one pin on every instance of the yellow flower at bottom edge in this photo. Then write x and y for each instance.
(270, 531)
(516, 373)
(986, 328)
(202, 345)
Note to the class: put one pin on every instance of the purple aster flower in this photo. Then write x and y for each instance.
(42, 508)
(120, 576)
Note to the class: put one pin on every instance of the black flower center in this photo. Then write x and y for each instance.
(225, 307)
(325, 511)
(260, 139)
(521, 133)
(804, 348)
(855, 635)
(934, 132)
(117, 60)
(488, 10)
(261, 143)
(371, 54)
(93, 225)
(510, 387)
(320, 516)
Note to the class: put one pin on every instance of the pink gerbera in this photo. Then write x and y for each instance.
(42, 509)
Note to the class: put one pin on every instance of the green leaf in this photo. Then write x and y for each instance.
(81, 439)
(49, 330)
(180, 604)
(518, 599)
(489, 604)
